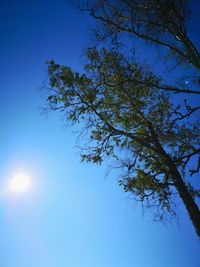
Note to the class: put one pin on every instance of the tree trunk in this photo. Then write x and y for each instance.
(188, 200)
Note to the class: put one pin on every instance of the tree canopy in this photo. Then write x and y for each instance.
(128, 111)
(160, 22)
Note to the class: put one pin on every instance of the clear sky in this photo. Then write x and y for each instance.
(73, 216)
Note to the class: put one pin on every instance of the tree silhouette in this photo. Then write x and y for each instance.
(128, 111)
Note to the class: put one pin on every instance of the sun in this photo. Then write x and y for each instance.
(19, 183)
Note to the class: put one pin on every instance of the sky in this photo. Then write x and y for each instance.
(73, 215)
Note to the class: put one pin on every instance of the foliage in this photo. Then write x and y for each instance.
(129, 112)
(126, 117)
(162, 23)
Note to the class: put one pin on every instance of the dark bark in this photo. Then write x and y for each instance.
(187, 198)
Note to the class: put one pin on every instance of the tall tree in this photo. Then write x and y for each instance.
(128, 111)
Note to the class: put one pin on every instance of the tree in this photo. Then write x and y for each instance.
(162, 23)
(128, 111)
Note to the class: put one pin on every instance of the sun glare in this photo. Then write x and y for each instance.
(19, 183)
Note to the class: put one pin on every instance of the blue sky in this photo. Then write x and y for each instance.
(73, 216)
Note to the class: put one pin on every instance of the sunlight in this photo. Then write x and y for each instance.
(19, 183)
